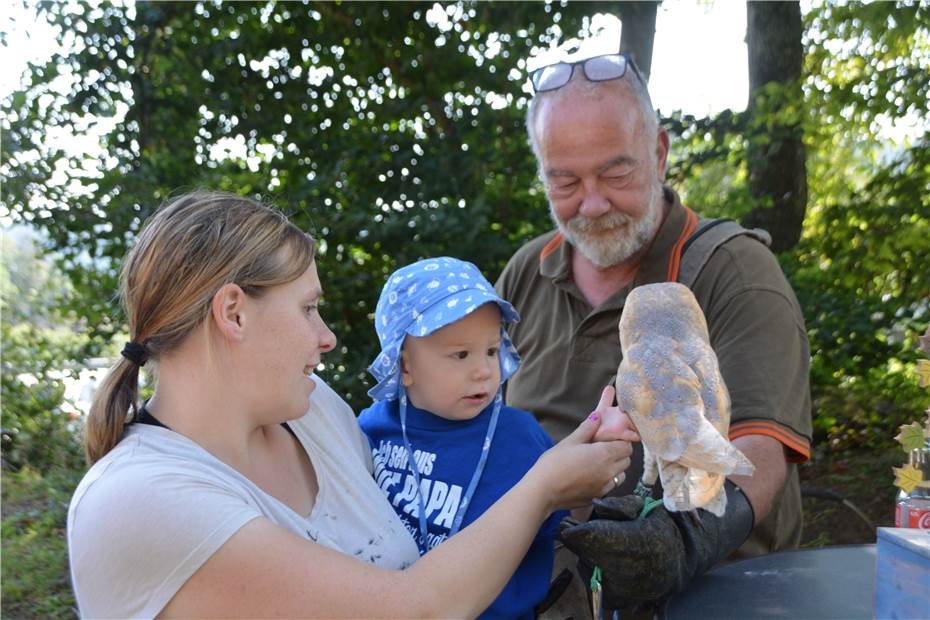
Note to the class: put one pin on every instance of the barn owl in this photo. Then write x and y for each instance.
(670, 385)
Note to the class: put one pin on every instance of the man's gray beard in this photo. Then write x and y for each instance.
(629, 235)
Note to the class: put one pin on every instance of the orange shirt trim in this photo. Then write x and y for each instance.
(551, 247)
(799, 448)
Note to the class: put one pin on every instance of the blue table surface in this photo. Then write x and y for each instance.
(827, 582)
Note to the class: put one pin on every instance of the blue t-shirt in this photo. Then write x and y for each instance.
(447, 452)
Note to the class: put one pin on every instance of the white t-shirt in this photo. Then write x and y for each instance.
(152, 511)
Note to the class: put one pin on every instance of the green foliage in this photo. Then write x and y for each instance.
(35, 559)
(40, 349)
(861, 267)
(392, 131)
(36, 429)
(708, 163)
(868, 61)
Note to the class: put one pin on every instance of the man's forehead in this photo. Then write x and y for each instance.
(580, 106)
(579, 89)
(601, 136)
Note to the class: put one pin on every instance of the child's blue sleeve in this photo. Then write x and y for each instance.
(550, 526)
(366, 421)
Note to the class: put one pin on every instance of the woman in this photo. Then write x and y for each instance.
(225, 495)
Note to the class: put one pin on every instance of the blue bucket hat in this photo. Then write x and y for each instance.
(423, 297)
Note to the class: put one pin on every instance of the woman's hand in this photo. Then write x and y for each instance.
(576, 470)
(615, 424)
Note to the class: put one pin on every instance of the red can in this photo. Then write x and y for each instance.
(913, 509)
(913, 512)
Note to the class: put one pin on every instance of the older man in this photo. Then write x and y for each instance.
(602, 157)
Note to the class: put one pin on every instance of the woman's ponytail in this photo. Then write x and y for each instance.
(115, 401)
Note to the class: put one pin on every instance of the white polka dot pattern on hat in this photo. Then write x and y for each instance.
(419, 299)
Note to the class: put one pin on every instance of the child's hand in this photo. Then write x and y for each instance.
(615, 424)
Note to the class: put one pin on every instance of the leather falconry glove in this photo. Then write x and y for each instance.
(643, 560)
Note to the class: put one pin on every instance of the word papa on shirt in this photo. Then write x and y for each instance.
(441, 499)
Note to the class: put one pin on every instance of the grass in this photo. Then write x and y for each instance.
(35, 581)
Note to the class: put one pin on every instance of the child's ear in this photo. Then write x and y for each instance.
(228, 311)
(405, 375)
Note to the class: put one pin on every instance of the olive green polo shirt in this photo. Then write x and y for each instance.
(570, 350)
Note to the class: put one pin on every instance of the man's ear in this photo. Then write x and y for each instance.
(405, 376)
(228, 311)
(663, 143)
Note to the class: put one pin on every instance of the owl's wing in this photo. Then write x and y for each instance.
(712, 452)
(662, 396)
(714, 392)
(666, 400)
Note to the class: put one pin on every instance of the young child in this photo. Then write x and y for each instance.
(444, 355)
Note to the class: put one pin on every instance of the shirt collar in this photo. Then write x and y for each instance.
(429, 421)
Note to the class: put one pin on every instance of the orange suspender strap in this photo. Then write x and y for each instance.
(674, 261)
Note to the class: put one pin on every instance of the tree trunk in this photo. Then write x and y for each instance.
(776, 154)
(638, 32)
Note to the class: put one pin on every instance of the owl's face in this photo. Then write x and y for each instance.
(666, 308)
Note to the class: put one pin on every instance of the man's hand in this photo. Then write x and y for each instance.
(615, 424)
(644, 559)
(639, 558)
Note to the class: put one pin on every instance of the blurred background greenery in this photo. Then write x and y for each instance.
(394, 131)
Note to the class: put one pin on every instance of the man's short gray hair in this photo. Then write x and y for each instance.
(581, 86)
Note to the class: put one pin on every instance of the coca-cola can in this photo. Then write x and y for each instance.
(906, 516)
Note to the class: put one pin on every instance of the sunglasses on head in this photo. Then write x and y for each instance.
(596, 69)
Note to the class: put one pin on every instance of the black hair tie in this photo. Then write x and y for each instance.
(135, 353)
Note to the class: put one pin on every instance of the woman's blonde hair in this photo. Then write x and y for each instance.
(185, 253)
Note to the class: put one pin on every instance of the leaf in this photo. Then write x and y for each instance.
(923, 373)
(907, 477)
(911, 436)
